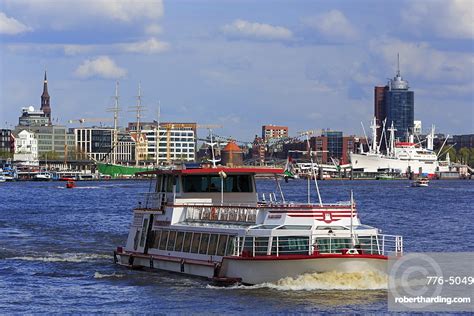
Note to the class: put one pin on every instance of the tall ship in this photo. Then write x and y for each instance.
(211, 222)
(401, 157)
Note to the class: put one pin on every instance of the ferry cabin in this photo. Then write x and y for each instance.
(210, 222)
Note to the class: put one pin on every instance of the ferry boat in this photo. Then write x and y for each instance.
(420, 182)
(210, 222)
(406, 157)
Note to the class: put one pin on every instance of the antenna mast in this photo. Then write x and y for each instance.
(313, 173)
(212, 144)
(398, 64)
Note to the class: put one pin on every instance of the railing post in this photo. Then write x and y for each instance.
(253, 246)
(278, 246)
(372, 244)
(383, 245)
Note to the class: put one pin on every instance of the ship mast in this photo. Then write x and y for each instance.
(138, 109)
(374, 128)
(115, 110)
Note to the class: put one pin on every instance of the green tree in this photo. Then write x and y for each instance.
(452, 154)
(464, 155)
(50, 155)
(6, 154)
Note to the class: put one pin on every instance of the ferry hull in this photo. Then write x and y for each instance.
(258, 270)
(375, 163)
(254, 271)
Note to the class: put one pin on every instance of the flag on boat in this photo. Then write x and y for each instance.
(289, 171)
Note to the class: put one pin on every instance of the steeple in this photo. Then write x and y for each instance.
(45, 106)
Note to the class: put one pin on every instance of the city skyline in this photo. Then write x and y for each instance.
(305, 65)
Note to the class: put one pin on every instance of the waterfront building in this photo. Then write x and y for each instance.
(258, 149)
(396, 103)
(232, 155)
(274, 131)
(141, 146)
(417, 128)
(94, 143)
(171, 142)
(332, 145)
(7, 141)
(463, 141)
(26, 147)
(54, 141)
(45, 100)
(31, 117)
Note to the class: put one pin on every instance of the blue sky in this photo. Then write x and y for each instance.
(242, 64)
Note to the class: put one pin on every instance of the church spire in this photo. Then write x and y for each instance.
(45, 106)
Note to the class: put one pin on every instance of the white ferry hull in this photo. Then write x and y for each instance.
(375, 163)
(256, 271)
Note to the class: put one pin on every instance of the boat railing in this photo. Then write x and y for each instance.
(250, 246)
(221, 213)
(150, 201)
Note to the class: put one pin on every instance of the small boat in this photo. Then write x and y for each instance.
(43, 176)
(70, 184)
(384, 176)
(209, 222)
(420, 182)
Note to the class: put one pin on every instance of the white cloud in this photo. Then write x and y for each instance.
(11, 26)
(447, 19)
(242, 28)
(102, 66)
(333, 25)
(65, 14)
(153, 29)
(151, 46)
(425, 61)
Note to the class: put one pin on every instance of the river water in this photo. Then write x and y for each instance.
(56, 250)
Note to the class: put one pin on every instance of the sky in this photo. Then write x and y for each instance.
(309, 65)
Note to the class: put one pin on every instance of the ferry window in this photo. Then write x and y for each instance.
(204, 244)
(159, 183)
(292, 244)
(230, 246)
(195, 243)
(171, 240)
(187, 241)
(179, 241)
(164, 239)
(221, 245)
(212, 245)
(332, 245)
(195, 183)
(261, 246)
(240, 183)
(233, 183)
(156, 241)
(144, 228)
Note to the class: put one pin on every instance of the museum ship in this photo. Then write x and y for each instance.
(210, 222)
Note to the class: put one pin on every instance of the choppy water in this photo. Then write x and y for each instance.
(56, 246)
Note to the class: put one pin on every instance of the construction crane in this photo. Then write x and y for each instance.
(81, 121)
